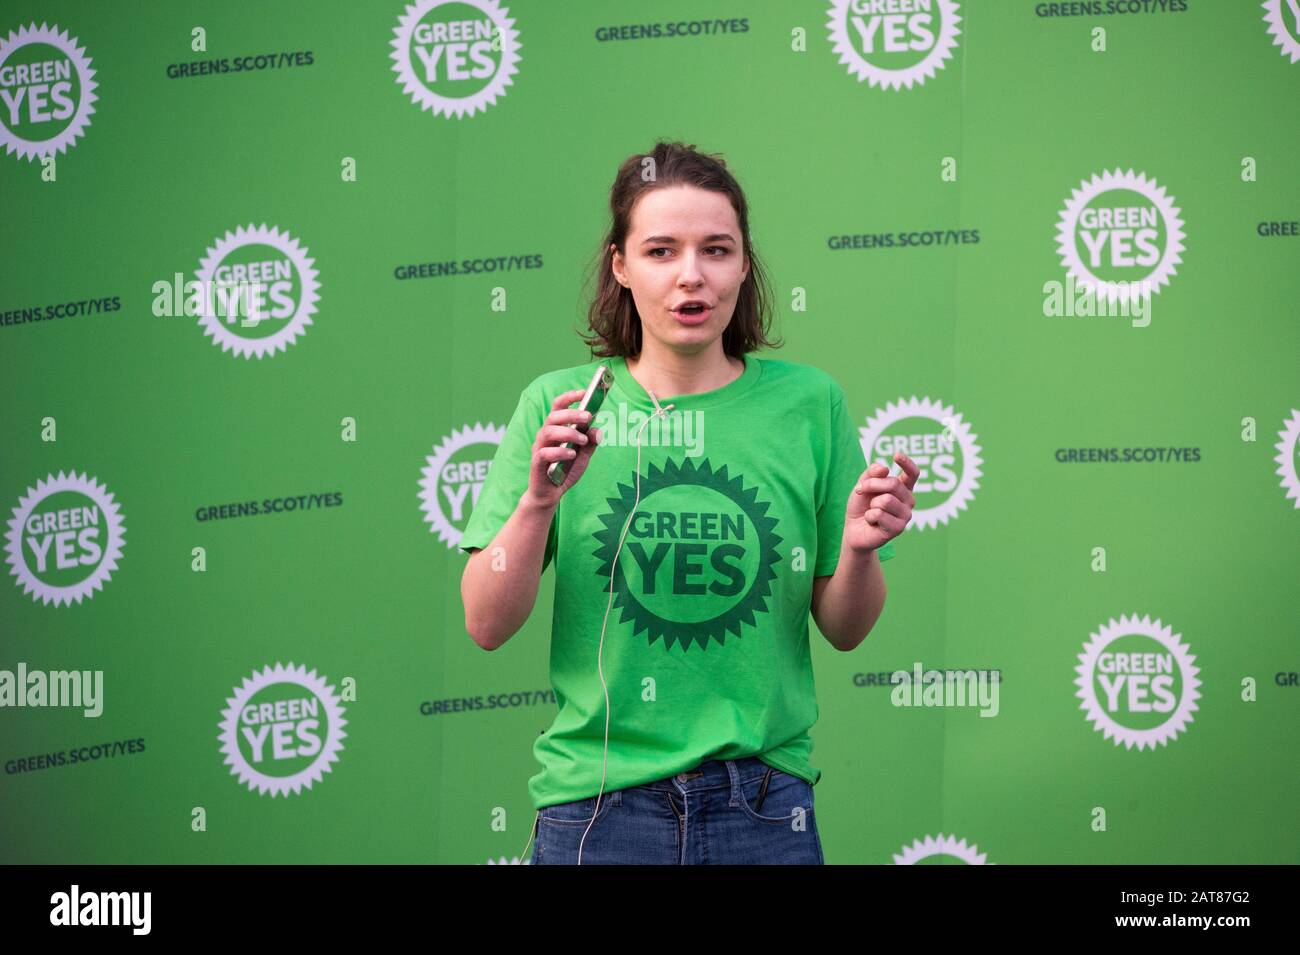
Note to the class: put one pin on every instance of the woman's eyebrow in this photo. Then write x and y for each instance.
(669, 240)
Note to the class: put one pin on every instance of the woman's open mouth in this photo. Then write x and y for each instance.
(693, 313)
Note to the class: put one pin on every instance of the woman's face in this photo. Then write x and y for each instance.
(683, 245)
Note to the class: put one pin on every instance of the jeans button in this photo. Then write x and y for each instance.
(681, 777)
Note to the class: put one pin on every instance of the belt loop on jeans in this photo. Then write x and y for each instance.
(735, 783)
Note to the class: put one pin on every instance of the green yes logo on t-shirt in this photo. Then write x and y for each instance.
(699, 555)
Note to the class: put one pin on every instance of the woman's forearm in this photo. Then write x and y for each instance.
(499, 586)
(851, 600)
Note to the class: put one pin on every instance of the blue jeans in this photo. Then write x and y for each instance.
(704, 816)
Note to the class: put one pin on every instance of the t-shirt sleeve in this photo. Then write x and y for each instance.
(507, 478)
(844, 462)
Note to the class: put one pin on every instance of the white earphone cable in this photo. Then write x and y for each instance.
(600, 649)
(609, 604)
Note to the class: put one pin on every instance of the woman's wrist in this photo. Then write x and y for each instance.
(533, 507)
(865, 553)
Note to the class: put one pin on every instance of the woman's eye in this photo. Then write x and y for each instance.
(713, 248)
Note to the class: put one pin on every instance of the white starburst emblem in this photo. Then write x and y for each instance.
(67, 45)
(940, 845)
(111, 540)
(431, 476)
(326, 756)
(1067, 236)
(219, 329)
(1098, 715)
(843, 45)
(945, 418)
(458, 106)
(1286, 39)
(1286, 454)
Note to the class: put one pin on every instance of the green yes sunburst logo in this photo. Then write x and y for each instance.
(699, 557)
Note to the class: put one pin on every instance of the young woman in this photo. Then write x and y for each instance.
(729, 498)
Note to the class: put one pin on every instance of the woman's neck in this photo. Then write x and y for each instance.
(669, 374)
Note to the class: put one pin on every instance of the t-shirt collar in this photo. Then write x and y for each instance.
(630, 389)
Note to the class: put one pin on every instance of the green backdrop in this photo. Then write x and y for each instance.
(249, 527)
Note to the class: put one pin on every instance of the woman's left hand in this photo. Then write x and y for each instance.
(880, 507)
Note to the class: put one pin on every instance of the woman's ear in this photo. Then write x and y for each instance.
(616, 266)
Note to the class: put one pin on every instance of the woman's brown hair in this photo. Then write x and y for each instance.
(612, 316)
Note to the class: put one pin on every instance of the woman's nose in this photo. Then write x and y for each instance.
(690, 272)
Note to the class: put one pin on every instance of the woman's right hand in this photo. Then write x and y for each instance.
(549, 447)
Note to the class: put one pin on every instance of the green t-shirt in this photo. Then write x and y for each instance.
(706, 654)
